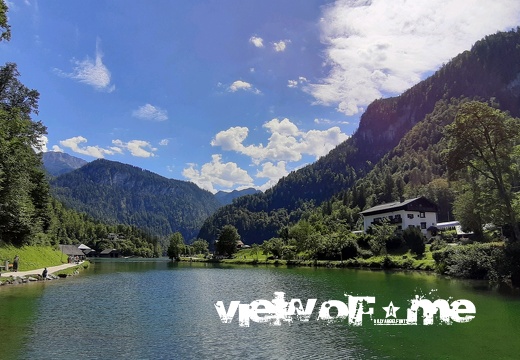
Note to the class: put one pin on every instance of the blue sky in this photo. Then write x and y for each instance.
(228, 93)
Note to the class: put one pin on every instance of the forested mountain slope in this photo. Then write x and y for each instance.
(126, 194)
(489, 70)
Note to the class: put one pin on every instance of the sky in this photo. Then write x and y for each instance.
(228, 94)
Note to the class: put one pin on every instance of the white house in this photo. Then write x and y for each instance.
(419, 212)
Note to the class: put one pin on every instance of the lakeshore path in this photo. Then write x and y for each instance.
(50, 269)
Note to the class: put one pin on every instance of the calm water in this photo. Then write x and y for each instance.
(160, 310)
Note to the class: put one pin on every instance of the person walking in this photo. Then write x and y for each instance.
(15, 263)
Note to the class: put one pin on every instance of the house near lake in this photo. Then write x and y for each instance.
(418, 212)
(72, 252)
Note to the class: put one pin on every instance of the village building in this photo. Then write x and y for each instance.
(418, 212)
(110, 253)
(72, 252)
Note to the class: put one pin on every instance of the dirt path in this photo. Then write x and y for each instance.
(50, 269)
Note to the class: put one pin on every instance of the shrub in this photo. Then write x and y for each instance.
(475, 261)
(414, 239)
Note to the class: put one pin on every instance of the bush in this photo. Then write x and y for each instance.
(350, 250)
(414, 239)
(476, 261)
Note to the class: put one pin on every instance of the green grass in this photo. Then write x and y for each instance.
(406, 261)
(72, 270)
(32, 257)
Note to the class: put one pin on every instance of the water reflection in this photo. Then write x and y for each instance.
(159, 309)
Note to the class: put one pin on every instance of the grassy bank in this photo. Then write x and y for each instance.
(32, 257)
(73, 270)
(403, 261)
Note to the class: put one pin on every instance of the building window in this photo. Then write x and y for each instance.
(423, 225)
(422, 214)
(410, 216)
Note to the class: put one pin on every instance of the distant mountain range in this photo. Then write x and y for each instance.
(57, 163)
(120, 193)
(396, 150)
(226, 198)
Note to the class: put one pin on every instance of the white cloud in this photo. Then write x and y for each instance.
(164, 142)
(42, 144)
(227, 175)
(138, 148)
(330, 122)
(257, 41)
(281, 45)
(94, 151)
(286, 142)
(56, 148)
(379, 47)
(292, 83)
(272, 171)
(150, 112)
(295, 83)
(243, 85)
(91, 72)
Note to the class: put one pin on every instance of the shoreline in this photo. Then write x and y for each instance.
(368, 264)
(21, 277)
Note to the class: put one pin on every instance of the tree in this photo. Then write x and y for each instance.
(483, 138)
(200, 246)
(227, 241)
(24, 192)
(381, 233)
(273, 246)
(255, 249)
(176, 246)
(4, 26)
(414, 239)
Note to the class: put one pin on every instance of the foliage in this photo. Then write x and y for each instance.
(121, 193)
(200, 246)
(381, 234)
(475, 261)
(176, 247)
(274, 246)
(4, 26)
(24, 193)
(414, 239)
(481, 141)
(227, 241)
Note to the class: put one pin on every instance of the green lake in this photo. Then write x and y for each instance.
(163, 310)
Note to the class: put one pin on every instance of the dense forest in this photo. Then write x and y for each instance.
(489, 70)
(121, 193)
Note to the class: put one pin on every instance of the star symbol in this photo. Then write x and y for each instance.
(390, 310)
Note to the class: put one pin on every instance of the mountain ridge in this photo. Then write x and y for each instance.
(480, 73)
(57, 163)
(122, 193)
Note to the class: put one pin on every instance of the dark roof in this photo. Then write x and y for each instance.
(71, 250)
(108, 251)
(415, 204)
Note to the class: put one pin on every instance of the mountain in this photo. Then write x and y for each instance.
(226, 197)
(121, 193)
(490, 70)
(57, 163)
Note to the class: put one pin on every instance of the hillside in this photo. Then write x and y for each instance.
(121, 193)
(57, 163)
(489, 70)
